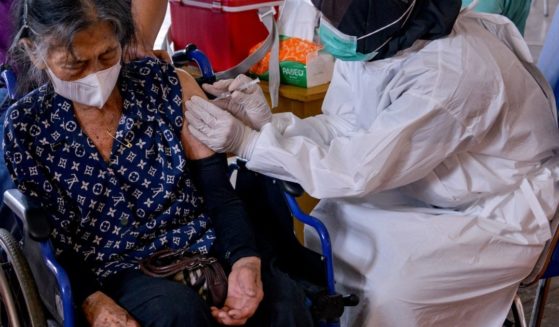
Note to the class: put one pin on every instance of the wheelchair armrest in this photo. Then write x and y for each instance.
(53, 281)
(290, 188)
(34, 220)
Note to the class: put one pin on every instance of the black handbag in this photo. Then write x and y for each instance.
(203, 273)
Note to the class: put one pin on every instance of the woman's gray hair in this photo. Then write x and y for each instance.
(54, 23)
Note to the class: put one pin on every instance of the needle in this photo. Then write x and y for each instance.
(243, 87)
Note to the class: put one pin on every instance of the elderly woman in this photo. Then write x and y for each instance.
(103, 147)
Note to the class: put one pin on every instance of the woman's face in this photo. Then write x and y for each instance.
(93, 49)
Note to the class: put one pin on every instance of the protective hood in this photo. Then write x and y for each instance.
(429, 19)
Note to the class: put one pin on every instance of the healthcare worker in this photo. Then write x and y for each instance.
(435, 158)
(515, 10)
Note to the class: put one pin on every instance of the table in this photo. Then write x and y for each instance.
(300, 101)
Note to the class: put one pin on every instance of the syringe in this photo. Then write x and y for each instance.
(243, 87)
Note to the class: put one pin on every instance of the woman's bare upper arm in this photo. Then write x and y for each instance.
(194, 149)
(189, 85)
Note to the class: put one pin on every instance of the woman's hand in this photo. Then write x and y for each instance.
(139, 52)
(244, 293)
(101, 311)
(148, 18)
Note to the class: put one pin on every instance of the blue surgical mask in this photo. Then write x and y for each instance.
(344, 47)
(340, 45)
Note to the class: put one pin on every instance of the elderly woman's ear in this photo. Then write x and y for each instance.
(30, 49)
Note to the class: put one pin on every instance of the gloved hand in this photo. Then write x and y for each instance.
(250, 105)
(218, 129)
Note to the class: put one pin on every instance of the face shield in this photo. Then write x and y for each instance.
(357, 29)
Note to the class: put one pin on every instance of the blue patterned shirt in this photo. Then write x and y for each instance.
(112, 213)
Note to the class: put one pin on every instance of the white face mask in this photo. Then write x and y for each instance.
(92, 90)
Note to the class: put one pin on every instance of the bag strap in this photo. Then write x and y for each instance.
(152, 266)
(266, 15)
(271, 43)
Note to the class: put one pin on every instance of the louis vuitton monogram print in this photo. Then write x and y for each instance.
(112, 213)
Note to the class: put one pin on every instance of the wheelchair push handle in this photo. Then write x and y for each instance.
(8, 80)
(350, 300)
(191, 53)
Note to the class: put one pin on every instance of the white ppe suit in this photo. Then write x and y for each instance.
(437, 173)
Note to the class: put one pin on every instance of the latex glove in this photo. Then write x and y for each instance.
(218, 129)
(101, 311)
(249, 106)
(244, 293)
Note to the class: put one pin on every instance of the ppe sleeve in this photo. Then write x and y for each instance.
(234, 235)
(404, 143)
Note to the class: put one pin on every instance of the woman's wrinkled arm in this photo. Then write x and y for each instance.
(235, 237)
(210, 175)
(235, 242)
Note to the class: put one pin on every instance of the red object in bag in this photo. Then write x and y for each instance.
(224, 30)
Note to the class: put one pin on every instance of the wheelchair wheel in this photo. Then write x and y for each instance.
(20, 304)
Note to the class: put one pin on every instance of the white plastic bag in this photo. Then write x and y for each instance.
(298, 19)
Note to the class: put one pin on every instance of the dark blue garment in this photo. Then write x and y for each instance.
(7, 218)
(3, 95)
(162, 302)
(115, 213)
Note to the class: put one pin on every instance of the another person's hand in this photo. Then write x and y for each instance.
(249, 106)
(194, 148)
(218, 129)
(101, 311)
(243, 295)
(139, 52)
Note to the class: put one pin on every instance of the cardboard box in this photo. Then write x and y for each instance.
(318, 70)
(301, 63)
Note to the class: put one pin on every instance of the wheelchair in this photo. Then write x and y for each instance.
(35, 290)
